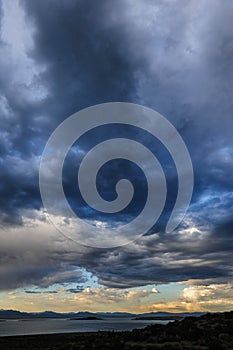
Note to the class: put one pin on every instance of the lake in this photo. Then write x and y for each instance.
(50, 326)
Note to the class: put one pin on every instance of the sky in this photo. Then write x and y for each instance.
(58, 57)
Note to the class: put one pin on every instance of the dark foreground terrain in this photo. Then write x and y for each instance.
(211, 331)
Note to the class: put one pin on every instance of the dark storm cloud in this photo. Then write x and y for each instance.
(86, 62)
(85, 51)
(90, 54)
(0, 14)
(171, 57)
(168, 258)
(35, 267)
(154, 259)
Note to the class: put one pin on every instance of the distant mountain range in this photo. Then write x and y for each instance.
(13, 314)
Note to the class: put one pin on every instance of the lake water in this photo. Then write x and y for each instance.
(50, 326)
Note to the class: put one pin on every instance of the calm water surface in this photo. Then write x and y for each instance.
(50, 326)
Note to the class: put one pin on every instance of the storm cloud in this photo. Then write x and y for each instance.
(59, 57)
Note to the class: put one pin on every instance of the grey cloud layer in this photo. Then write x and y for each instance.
(154, 259)
(172, 56)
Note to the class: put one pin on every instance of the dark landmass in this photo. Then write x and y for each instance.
(160, 318)
(207, 332)
(89, 318)
(13, 314)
